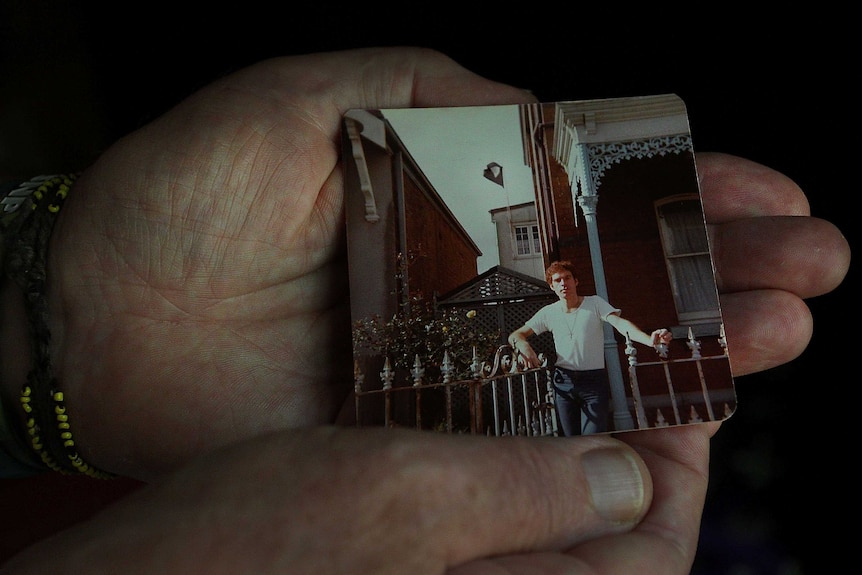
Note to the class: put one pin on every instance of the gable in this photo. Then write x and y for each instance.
(496, 285)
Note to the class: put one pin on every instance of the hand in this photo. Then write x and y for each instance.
(387, 501)
(526, 356)
(198, 291)
(198, 266)
(661, 336)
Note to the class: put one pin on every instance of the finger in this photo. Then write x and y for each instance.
(416, 77)
(664, 543)
(345, 500)
(764, 329)
(487, 496)
(767, 257)
(733, 188)
(803, 255)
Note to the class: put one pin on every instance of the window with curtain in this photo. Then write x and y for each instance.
(686, 252)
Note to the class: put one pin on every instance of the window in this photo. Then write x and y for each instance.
(527, 240)
(686, 251)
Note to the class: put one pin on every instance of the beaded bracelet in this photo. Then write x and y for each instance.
(17, 459)
(27, 220)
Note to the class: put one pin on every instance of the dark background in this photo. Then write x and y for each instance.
(779, 90)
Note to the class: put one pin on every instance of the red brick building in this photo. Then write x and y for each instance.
(403, 241)
(617, 194)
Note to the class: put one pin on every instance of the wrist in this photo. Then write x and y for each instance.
(29, 301)
(17, 457)
(521, 346)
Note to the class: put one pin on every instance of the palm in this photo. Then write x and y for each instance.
(210, 268)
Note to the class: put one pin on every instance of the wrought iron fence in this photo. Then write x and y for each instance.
(502, 398)
(699, 403)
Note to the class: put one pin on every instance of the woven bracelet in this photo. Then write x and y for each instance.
(27, 220)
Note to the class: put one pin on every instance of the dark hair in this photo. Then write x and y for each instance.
(559, 267)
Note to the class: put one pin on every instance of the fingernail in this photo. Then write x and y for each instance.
(616, 484)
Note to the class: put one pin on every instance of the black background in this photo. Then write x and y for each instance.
(779, 89)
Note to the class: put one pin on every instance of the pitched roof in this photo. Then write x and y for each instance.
(495, 285)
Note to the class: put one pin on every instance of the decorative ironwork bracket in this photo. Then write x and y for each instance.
(354, 133)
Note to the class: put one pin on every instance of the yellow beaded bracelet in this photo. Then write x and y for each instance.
(27, 220)
(65, 435)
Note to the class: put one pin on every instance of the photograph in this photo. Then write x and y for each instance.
(534, 269)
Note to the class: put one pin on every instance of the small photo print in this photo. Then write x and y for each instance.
(537, 270)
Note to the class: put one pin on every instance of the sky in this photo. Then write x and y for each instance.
(452, 147)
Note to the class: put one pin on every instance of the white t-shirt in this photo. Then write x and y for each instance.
(578, 335)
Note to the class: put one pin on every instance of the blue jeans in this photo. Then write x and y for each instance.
(582, 399)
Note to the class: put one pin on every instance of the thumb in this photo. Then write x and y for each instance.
(337, 500)
(322, 86)
(398, 77)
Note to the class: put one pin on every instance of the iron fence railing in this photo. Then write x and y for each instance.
(503, 398)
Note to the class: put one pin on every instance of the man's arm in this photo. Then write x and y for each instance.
(625, 326)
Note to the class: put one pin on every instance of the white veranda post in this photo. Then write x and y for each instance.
(587, 199)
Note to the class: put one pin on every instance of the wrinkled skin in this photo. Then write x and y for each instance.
(198, 294)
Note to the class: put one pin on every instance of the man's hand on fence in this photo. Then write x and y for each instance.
(525, 355)
(661, 336)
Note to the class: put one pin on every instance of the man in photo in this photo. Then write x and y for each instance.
(581, 388)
